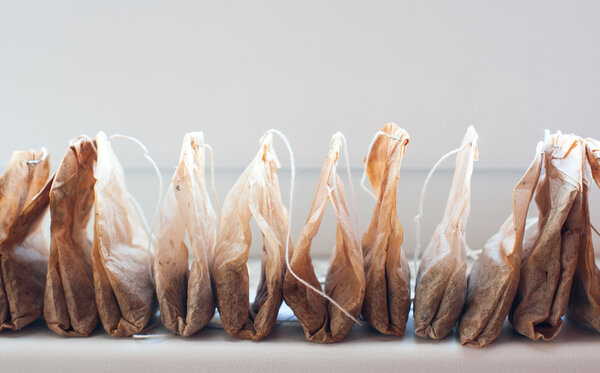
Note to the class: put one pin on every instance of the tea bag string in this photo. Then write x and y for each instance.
(288, 236)
(594, 229)
(212, 175)
(160, 187)
(419, 217)
(42, 158)
(363, 178)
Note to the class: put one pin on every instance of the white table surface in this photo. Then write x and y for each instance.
(35, 348)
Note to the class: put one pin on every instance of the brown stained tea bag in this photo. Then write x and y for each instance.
(185, 294)
(256, 194)
(442, 279)
(23, 248)
(69, 303)
(120, 257)
(584, 300)
(321, 320)
(547, 267)
(387, 275)
(494, 278)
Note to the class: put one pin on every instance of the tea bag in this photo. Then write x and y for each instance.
(23, 248)
(185, 294)
(387, 275)
(256, 194)
(321, 320)
(121, 261)
(441, 278)
(494, 278)
(548, 265)
(69, 303)
(584, 300)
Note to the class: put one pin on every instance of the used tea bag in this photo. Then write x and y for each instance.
(548, 265)
(256, 194)
(387, 275)
(441, 278)
(321, 320)
(584, 301)
(23, 248)
(69, 303)
(494, 278)
(121, 261)
(185, 294)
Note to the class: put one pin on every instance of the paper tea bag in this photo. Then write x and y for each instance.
(256, 194)
(69, 303)
(494, 278)
(548, 265)
(387, 275)
(185, 294)
(23, 248)
(584, 300)
(321, 320)
(441, 278)
(121, 261)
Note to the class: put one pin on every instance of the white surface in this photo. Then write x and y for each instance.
(157, 69)
(211, 350)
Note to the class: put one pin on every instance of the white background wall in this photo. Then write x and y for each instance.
(158, 69)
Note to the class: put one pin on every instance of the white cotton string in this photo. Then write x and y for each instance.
(363, 178)
(352, 191)
(419, 217)
(288, 236)
(594, 229)
(212, 175)
(43, 157)
(160, 183)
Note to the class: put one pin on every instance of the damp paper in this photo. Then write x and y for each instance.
(121, 262)
(69, 300)
(256, 195)
(387, 274)
(584, 301)
(184, 291)
(441, 277)
(550, 257)
(321, 320)
(24, 198)
(494, 277)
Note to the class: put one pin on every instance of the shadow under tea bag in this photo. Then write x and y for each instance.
(494, 278)
(548, 265)
(256, 194)
(23, 248)
(387, 275)
(121, 261)
(441, 278)
(69, 303)
(584, 300)
(321, 320)
(185, 295)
